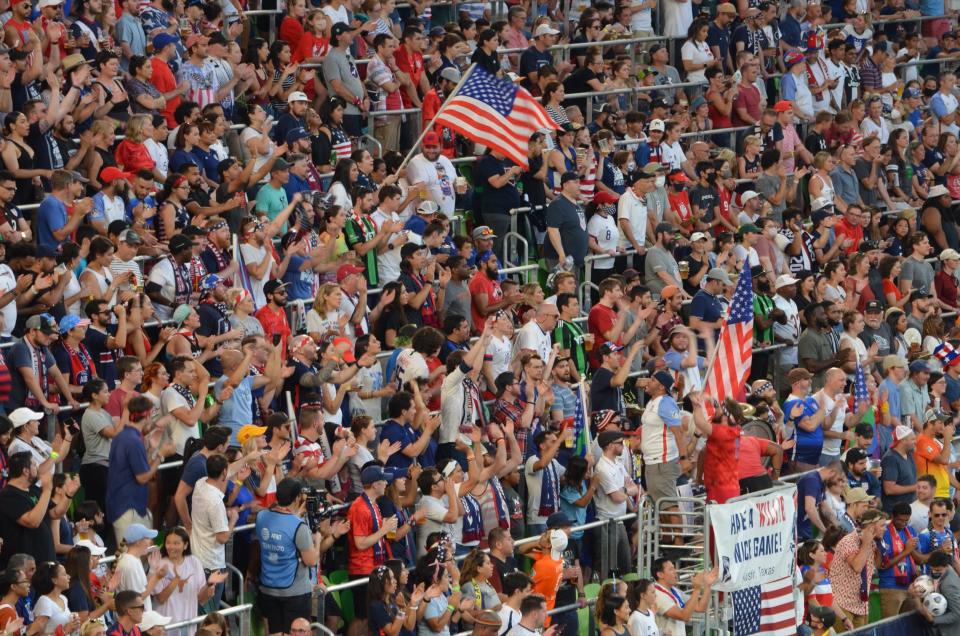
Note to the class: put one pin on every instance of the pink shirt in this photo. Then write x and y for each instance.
(791, 141)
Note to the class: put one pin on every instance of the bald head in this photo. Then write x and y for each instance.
(300, 626)
(230, 359)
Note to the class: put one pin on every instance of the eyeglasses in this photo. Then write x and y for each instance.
(940, 515)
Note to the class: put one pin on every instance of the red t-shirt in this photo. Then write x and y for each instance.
(291, 31)
(481, 284)
(946, 286)
(310, 46)
(680, 204)
(748, 98)
(749, 462)
(720, 475)
(7, 613)
(275, 322)
(431, 105)
(412, 65)
(600, 320)
(361, 525)
(115, 404)
(163, 80)
(132, 157)
(843, 230)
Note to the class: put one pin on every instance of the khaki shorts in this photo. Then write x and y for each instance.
(661, 479)
(127, 519)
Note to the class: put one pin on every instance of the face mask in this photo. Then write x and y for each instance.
(929, 92)
(935, 575)
(660, 181)
(679, 188)
(712, 178)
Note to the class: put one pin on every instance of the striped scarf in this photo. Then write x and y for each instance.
(549, 491)
(381, 550)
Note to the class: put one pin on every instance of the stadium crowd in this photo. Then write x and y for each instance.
(249, 351)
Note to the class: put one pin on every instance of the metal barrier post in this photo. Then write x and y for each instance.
(323, 629)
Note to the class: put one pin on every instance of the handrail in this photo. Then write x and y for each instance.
(236, 609)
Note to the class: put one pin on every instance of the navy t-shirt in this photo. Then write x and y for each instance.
(193, 471)
(104, 358)
(495, 200)
(809, 486)
(532, 61)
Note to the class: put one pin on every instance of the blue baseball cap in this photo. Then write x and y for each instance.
(72, 322)
(209, 281)
(162, 40)
(296, 134)
(137, 532)
(371, 475)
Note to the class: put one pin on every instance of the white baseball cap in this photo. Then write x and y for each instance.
(657, 125)
(95, 550)
(297, 96)
(153, 619)
(748, 196)
(23, 415)
(784, 280)
(545, 29)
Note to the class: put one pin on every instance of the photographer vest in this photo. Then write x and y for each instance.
(279, 558)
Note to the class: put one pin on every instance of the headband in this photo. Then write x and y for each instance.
(217, 226)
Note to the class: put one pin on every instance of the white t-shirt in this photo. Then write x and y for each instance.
(253, 255)
(919, 516)
(612, 478)
(698, 53)
(508, 618)
(633, 209)
(209, 516)
(337, 15)
(534, 479)
(532, 336)
(672, 155)
(348, 305)
(321, 324)
(868, 128)
(160, 156)
(259, 159)
(641, 624)
(499, 354)
(435, 510)
(388, 262)
(604, 229)
(836, 72)
(162, 274)
(133, 577)
(831, 446)
(438, 176)
(790, 329)
(8, 281)
(57, 616)
(171, 400)
(666, 600)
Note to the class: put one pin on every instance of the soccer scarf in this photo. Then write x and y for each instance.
(39, 365)
(381, 550)
(472, 521)
(181, 279)
(905, 570)
(500, 503)
(549, 490)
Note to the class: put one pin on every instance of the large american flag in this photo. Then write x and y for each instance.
(728, 370)
(495, 113)
(765, 609)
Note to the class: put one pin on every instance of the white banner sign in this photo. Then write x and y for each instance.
(754, 539)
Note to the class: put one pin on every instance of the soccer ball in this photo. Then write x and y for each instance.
(924, 585)
(935, 603)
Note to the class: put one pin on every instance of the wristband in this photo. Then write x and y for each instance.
(357, 102)
(455, 588)
(451, 608)
(54, 455)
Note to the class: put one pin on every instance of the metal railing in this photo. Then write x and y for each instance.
(242, 611)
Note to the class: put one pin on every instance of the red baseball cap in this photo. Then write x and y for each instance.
(346, 270)
(782, 106)
(431, 139)
(111, 174)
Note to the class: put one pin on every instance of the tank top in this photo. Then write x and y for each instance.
(24, 192)
(121, 111)
(751, 165)
(103, 282)
(181, 219)
(827, 188)
(569, 163)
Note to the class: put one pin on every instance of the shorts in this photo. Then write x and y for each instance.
(280, 611)
(661, 479)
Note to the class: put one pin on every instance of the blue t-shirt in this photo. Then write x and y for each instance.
(181, 158)
(52, 215)
(930, 540)
(208, 162)
(809, 486)
(295, 184)
(404, 433)
(301, 282)
(809, 444)
(888, 575)
(128, 458)
(104, 358)
(790, 32)
(238, 410)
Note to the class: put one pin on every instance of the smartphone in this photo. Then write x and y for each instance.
(276, 339)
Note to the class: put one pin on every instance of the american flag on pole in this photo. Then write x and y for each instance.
(730, 367)
(860, 394)
(244, 275)
(765, 609)
(581, 433)
(495, 113)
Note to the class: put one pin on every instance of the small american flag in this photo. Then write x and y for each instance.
(495, 113)
(244, 275)
(946, 354)
(728, 370)
(860, 394)
(765, 609)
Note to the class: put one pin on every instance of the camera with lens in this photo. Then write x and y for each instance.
(316, 506)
